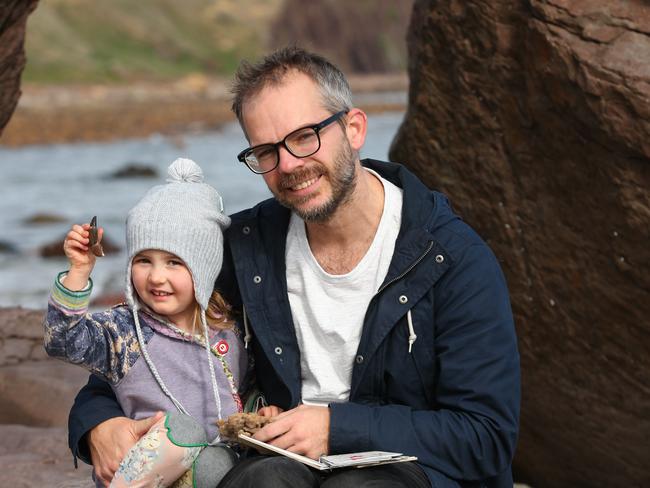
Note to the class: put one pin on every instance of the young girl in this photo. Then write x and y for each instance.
(172, 347)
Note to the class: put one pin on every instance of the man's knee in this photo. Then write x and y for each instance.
(399, 475)
(270, 472)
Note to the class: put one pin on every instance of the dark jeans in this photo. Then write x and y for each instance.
(282, 472)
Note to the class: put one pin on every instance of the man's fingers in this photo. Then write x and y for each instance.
(272, 430)
(270, 411)
(285, 441)
(104, 477)
(141, 427)
(283, 415)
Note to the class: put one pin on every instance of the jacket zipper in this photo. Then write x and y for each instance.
(407, 270)
(382, 392)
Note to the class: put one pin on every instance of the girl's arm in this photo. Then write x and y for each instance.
(100, 342)
(104, 343)
(81, 259)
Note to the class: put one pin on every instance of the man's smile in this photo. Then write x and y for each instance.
(304, 184)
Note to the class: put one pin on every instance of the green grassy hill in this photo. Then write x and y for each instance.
(120, 41)
(123, 40)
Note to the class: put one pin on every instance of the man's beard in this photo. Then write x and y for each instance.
(342, 181)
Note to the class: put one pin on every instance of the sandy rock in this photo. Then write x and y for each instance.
(35, 391)
(39, 456)
(21, 323)
(534, 117)
(39, 393)
(34, 388)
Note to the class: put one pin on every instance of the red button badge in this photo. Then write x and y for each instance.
(222, 347)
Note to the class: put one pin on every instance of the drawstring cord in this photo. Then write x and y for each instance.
(247, 331)
(213, 376)
(152, 368)
(412, 336)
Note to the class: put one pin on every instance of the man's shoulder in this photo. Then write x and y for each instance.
(266, 220)
(265, 208)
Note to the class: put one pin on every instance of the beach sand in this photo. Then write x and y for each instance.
(57, 114)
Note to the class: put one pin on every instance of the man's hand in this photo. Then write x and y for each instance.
(270, 411)
(110, 441)
(303, 430)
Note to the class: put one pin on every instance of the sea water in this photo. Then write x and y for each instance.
(73, 181)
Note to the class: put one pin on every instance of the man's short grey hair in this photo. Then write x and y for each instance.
(250, 79)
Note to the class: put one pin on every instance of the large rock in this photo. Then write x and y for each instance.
(34, 389)
(534, 116)
(13, 17)
(39, 456)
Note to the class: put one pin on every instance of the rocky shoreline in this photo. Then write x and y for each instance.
(60, 114)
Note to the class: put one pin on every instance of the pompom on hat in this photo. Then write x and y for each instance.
(183, 217)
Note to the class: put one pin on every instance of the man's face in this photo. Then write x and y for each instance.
(315, 186)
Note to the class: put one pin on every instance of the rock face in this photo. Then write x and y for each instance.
(13, 16)
(36, 393)
(35, 389)
(39, 456)
(534, 117)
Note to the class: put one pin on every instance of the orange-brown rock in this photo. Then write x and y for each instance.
(534, 117)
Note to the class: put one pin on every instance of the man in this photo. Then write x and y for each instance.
(378, 319)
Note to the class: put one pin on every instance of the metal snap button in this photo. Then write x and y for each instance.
(440, 258)
(246, 230)
(403, 299)
(257, 279)
(278, 350)
(359, 359)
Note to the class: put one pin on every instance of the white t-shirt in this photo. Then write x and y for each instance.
(328, 310)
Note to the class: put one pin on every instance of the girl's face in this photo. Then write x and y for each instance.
(165, 285)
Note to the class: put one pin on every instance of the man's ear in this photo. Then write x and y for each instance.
(357, 124)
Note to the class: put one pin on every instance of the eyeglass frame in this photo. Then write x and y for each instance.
(241, 157)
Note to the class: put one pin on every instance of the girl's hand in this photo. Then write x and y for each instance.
(81, 259)
(270, 411)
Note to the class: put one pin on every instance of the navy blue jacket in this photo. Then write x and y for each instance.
(453, 401)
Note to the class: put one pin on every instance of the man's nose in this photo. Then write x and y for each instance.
(288, 162)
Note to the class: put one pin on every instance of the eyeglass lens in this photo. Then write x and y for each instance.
(301, 143)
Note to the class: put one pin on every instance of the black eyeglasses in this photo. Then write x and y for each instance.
(301, 143)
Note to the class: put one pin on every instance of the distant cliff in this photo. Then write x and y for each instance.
(85, 41)
(364, 36)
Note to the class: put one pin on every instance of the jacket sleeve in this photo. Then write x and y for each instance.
(104, 343)
(95, 403)
(470, 432)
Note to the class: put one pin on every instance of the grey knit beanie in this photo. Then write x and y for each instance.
(183, 217)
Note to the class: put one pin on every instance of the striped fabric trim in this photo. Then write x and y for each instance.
(68, 300)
